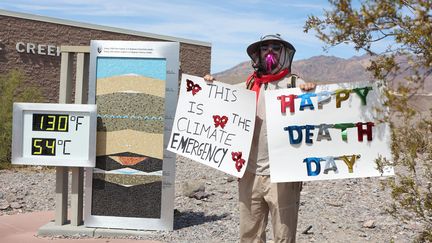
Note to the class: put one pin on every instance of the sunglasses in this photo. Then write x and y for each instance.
(274, 47)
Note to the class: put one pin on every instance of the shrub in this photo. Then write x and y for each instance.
(406, 28)
(12, 89)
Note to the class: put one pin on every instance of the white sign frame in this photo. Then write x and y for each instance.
(226, 117)
(287, 159)
(19, 134)
(150, 49)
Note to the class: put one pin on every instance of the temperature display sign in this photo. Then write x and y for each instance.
(54, 134)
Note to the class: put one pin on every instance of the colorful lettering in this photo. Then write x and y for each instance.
(316, 162)
(285, 102)
(341, 95)
(362, 93)
(323, 132)
(361, 131)
(306, 101)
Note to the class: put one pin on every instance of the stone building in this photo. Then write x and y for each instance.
(31, 44)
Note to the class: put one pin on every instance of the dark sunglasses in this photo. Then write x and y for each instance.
(274, 47)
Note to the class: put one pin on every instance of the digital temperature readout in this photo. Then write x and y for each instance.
(51, 122)
(54, 134)
(48, 146)
(44, 146)
(55, 122)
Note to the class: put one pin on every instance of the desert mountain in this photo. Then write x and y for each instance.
(322, 70)
(330, 69)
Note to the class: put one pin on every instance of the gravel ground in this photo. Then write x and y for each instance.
(350, 210)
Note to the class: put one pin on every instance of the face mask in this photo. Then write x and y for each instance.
(270, 62)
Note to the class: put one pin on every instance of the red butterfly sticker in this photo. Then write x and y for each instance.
(191, 86)
(237, 158)
(220, 121)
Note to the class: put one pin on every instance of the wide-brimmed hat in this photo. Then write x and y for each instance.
(253, 49)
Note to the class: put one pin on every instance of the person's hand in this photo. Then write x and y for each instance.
(307, 86)
(209, 78)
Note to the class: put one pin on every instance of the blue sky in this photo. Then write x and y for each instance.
(230, 26)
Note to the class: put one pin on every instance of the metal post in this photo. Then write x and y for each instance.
(61, 197)
(77, 196)
(82, 74)
(65, 96)
(81, 84)
(62, 172)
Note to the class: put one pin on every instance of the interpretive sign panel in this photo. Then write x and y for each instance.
(135, 87)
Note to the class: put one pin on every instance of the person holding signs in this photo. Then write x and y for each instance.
(271, 59)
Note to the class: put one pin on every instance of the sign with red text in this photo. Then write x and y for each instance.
(214, 124)
(333, 132)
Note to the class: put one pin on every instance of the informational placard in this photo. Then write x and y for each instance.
(135, 85)
(214, 124)
(54, 134)
(334, 132)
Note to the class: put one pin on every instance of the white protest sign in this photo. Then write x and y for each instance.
(331, 133)
(214, 124)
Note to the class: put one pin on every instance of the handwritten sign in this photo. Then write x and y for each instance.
(214, 124)
(332, 133)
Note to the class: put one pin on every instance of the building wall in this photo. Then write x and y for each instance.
(43, 69)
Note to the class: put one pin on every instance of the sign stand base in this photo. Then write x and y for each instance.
(51, 229)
